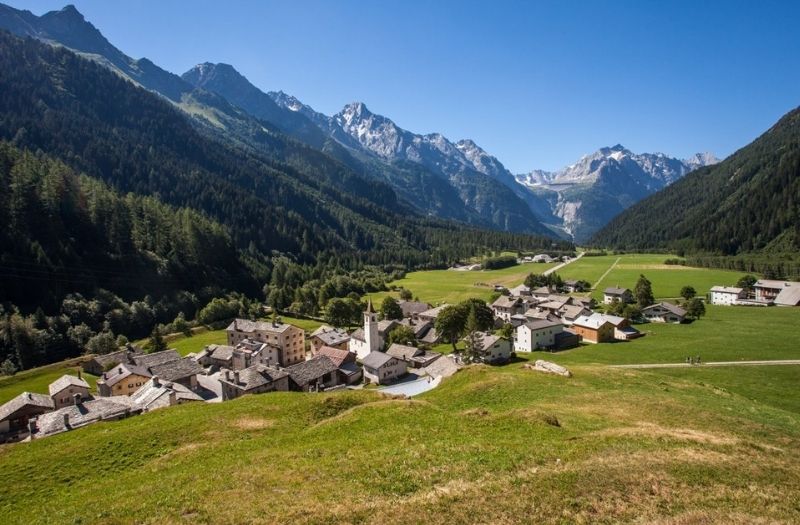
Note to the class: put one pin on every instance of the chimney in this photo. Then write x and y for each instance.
(173, 398)
(236, 377)
(77, 399)
(66, 419)
(156, 382)
(119, 370)
(227, 375)
(79, 375)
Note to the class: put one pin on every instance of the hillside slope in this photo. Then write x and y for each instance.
(490, 445)
(748, 202)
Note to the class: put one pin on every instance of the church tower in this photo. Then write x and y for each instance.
(371, 336)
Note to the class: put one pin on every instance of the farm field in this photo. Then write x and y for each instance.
(667, 279)
(448, 286)
(603, 446)
(726, 333)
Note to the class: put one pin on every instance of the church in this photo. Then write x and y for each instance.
(367, 339)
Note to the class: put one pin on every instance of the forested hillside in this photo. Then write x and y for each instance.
(749, 202)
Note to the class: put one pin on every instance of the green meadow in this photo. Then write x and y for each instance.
(37, 379)
(450, 286)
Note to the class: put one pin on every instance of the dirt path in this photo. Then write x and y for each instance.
(559, 266)
(713, 363)
(600, 280)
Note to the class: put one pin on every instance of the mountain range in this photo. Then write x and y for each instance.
(428, 173)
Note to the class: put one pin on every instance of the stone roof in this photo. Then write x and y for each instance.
(118, 373)
(613, 290)
(726, 289)
(150, 393)
(410, 308)
(156, 358)
(520, 290)
(336, 355)
(311, 370)
(376, 359)
(404, 351)
(333, 337)
(386, 325)
(505, 302)
(433, 312)
(443, 367)
(23, 400)
(571, 311)
(542, 290)
(613, 319)
(540, 324)
(358, 334)
(255, 376)
(66, 381)
(221, 352)
(490, 339)
(418, 327)
(115, 358)
(78, 416)
(246, 325)
(430, 337)
(771, 283)
(177, 369)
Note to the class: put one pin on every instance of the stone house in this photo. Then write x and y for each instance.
(15, 414)
(416, 357)
(505, 307)
(381, 368)
(496, 349)
(289, 339)
(100, 363)
(256, 379)
(123, 380)
(318, 373)
(349, 371)
(80, 414)
(159, 394)
(329, 336)
(63, 390)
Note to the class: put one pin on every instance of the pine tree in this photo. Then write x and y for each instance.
(157, 343)
(643, 292)
(474, 339)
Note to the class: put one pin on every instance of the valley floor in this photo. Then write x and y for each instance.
(490, 445)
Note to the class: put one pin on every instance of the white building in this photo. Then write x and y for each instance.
(383, 368)
(536, 334)
(726, 295)
(366, 340)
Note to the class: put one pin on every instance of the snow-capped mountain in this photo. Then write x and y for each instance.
(587, 194)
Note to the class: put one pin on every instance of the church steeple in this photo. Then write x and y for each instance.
(371, 335)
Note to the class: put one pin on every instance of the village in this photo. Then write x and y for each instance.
(264, 356)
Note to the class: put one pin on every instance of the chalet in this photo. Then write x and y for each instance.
(349, 371)
(542, 258)
(329, 336)
(496, 349)
(416, 357)
(80, 414)
(63, 390)
(726, 295)
(566, 339)
(289, 339)
(622, 295)
(505, 307)
(780, 293)
(413, 308)
(572, 285)
(536, 334)
(381, 368)
(256, 379)
(594, 328)
(123, 380)
(664, 313)
(158, 394)
(623, 331)
(318, 373)
(15, 414)
(542, 292)
(100, 363)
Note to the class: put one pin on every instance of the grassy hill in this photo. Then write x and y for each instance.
(492, 444)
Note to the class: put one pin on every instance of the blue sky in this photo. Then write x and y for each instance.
(536, 84)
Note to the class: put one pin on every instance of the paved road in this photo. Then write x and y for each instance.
(559, 266)
(412, 388)
(713, 363)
